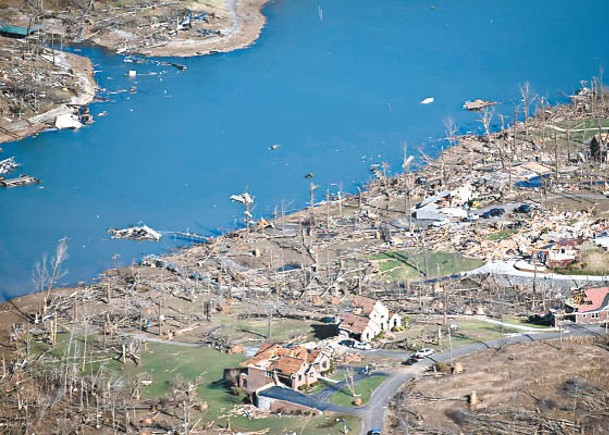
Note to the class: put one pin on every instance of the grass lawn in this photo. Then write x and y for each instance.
(318, 425)
(483, 331)
(363, 387)
(339, 375)
(166, 363)
(581, 130)
(258, 329)
(401, 266)
(518, 321)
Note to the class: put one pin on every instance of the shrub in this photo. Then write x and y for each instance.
(442, 367)
(238, 391)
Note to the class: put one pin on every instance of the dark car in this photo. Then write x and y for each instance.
(412, 360)
(374, 432)
(493, 212)
(523, 208)
(347, 343)
(328, 319)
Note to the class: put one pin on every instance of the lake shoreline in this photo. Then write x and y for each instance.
(386, 196)
(246, 24)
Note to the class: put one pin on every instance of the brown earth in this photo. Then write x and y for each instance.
(519, 389)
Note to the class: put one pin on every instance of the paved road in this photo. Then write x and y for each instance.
(373, 413)
(501, 267)
(374, 417)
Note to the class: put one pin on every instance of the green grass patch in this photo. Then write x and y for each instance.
(521, 322)
(579, 130)
(282, 330)
(484, 331)
(364, 387)
(338, 375)
(320, 425)
(71, 349)
(401, 266)
(167, 364)
(500, 235)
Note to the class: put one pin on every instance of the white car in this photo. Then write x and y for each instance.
(423, 352)
(362, 346)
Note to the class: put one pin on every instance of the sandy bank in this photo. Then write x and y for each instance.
(208, 27)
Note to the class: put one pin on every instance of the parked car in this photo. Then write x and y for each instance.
(362, 346)
(424, 352)
(374, 432)
(493, 212)
(328, 319)
(441, 223)
(347, 343)
(410, 361)
(523, 208)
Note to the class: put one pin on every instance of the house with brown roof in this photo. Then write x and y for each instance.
(588, 306)
(367, 319)
(274, 364)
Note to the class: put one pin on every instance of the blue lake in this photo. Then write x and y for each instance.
(338, 94)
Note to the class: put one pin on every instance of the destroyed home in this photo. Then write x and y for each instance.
(559, 254)
(445, 205)
(587, 306)
(367, 319)
(275, 364)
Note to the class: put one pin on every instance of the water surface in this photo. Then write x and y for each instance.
(338, 94)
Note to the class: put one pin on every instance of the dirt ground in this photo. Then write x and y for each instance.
(520, 389)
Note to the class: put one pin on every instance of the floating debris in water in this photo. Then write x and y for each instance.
(478, 104)
(7, 165)
(143, 232)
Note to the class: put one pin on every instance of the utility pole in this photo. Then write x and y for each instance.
(270, 320)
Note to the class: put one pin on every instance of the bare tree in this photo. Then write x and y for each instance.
(525, 94)
(48, 271)
(486, 116)
(450, 127)
(247, 201)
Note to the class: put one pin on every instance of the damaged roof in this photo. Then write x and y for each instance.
(354, 323)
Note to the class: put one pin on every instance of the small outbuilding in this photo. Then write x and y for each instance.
(18, 31)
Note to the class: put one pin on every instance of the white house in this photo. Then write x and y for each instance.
(368, 319)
